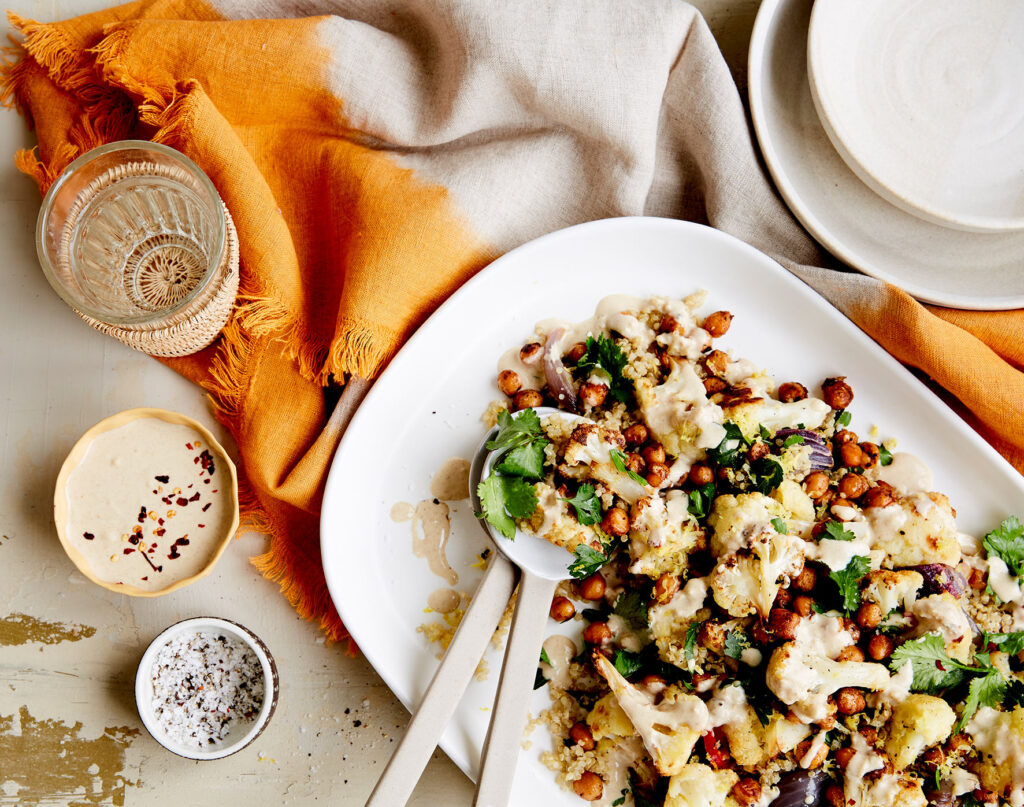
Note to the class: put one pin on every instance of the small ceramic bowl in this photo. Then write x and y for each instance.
(241, 733)
(213, 548)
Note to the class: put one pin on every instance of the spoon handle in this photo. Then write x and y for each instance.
(450, 680)
(515, 691)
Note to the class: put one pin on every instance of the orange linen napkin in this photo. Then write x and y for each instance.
(375, 159)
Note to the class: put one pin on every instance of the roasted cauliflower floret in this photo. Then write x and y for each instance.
(662, 534)
(697, 785)
(893, 791)
(891, 590)
(915, 530)
(591, 445)
(743, 584)
(607, 719)
(942, 614)
(678, 413)
(783, 735)
(917, 723)
(746, 739)
(999, 738)
(736, 520)
(795, 500)
(664, 727)
(795, 674)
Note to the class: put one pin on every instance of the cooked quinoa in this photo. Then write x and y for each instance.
(773, 610)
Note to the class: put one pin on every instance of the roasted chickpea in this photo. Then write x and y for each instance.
(836, 392)
(589, 787)
(977, 579)
(803, 748)
(806, 580)
(850, 701)
(657, 473)
(844, 756)
(747, 791)
(654, 452)
(852, 628)
(597, 633)
(718, 323)
(526, 398)
(852, 455)
(878, 496)
(615, 522)
(581, 735)
(803, 605)
(665, 587)
(880, 647)
(933, 758)
(843, 437)
(870, 734)
(816, 484)
(636, 463)
(760, 634)
(959, 744)
(782, 623)
(636, 435)
(509, 383)
(869, 615)
(784, 598)
(562, 609)
(871, 452)
(842, 502)
(593, 587)
(851, 653)
(530, 353)
(701, 474)
(669, 324)
(714, 384)
(792, 391)
(853, 486)
(654, 684)
(835, 796)
(593, 394)
(576, 352)
(758, 450)
(717, 362)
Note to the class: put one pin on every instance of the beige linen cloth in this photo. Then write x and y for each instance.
(374, 155)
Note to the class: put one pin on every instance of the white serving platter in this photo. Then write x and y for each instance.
(935, 264)
(427, 406)
(922, 100)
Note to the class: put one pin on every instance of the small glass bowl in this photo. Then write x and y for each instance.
(244, 733)
(131, 233)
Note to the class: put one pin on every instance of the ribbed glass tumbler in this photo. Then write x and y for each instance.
(134, 237)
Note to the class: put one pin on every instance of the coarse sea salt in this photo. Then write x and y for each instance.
(204, 684)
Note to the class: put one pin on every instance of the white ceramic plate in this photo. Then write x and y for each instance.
(933, 263)
(922, 99)
(427, 406)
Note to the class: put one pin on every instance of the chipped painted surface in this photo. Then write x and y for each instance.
(18, 629)
(47, 762)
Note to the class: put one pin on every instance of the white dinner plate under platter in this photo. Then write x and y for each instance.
(426, 407)
(933, 263)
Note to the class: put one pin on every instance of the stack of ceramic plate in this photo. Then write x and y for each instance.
(894, 130)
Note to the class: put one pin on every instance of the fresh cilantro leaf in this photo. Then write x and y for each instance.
(632, 607)
(606, 358)
(700, 500)
(538, 679)
(619, 461)
(984, 690)
(526, 461)
(884, 455)
(735, 643)
(727, 453)
(1007, 543)
(1011, 643)
(793, 440)
(780, 526)
(837, 532)
(690, 645)
(516, 430)
(621, 799)
(969, 800)
(505, 498)
(933, 668)
(545, 657)
(844, 418)
(1014, 695)
(765, 434)
(586, 561)
(767, 474)
(847, 580)
(627, 663)
(586, 504)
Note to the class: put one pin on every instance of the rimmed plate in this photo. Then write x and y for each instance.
(935, 264)
(922, 101)
(427, 405)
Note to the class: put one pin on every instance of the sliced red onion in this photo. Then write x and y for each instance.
(943, 797)
(939, 578)
(800, 789)
(558, 378)
(821, 457)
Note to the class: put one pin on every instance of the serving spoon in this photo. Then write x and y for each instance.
(543, 565)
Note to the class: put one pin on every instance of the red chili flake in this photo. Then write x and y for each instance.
(162, 478)
(146, 577)
(188, 446)
(154, 493)
(160, 521)
(159, 532)
(202, 526)
(181, 501)
(206, 481)
(194, 497)
(207, 506)
(128, 550)
(195, 460)
(190, 485)
(88, 536)
(173, 554)
(134, 538)
(183, 541)
(166, 499)
(142, 514)
(214, 490)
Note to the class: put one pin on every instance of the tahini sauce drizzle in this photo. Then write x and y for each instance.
(907, 473)
(451, 482)
(431, 526)
(561, 650)
(443, 600)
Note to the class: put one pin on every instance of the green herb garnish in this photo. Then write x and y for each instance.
(606, 359)
(690, 645)
(627, 663)
(1007, 544)
(505, 498)
(735, 643)
(780, 526)
(793, 440)
(884, 455)
(847, 580)
(586, 504)
(545, 657)
(844, 418)
(933, 668)
(837, 532)
(619, 461)
(700, 500)
(586, 561)
(767, 475)
(632, 607)
(727, 452)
